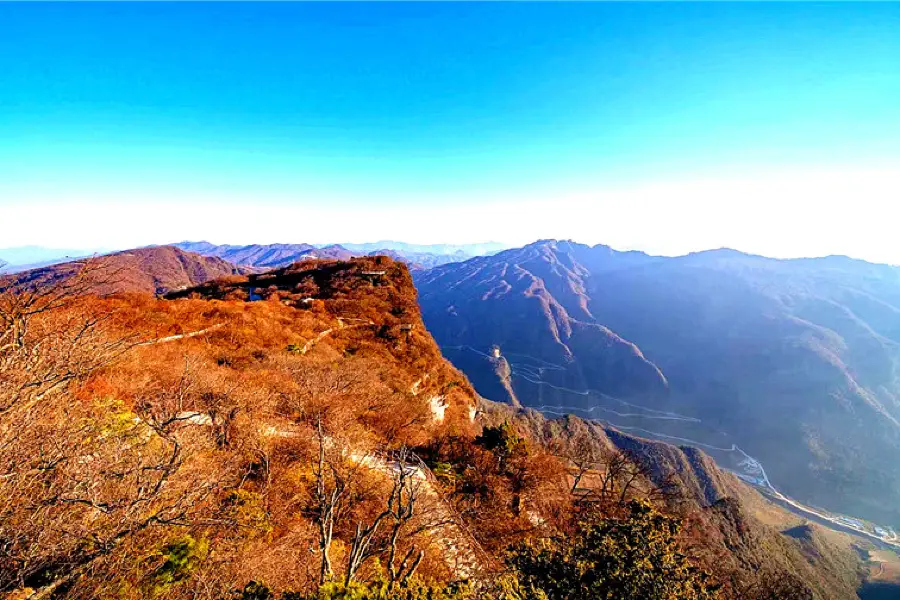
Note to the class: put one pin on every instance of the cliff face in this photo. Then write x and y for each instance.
(364, 306)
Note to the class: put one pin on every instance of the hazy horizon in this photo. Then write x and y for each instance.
(46, 254)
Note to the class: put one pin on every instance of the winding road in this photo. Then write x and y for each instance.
(745, 467)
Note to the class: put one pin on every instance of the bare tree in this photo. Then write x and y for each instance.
(401, 507)
(584, 452)
(325, 397)
(331, 490)
(613, 476)
(48, 338)
(81, 479)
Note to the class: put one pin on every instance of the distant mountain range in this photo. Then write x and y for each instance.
(468, 250)
(797, 362)
(280, 255)
(417, 256)
(160, 269)
(24, 255)
(265, 255)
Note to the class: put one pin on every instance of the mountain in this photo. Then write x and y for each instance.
(333, 251)
(365, 303)
(370, 301)
(377, 289)
(145, 270)
(530, 307)
(3, 263)
(467, 250)
(265, 255)
(420, 260)
(279, 255)
(788, 366)
(199, 442)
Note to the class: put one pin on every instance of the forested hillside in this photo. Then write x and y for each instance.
(297, 434)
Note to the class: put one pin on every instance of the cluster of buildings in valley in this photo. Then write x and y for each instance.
(886, 534)
(751, 479)
(751, 471)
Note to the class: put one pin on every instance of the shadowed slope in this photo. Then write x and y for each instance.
(796, 361)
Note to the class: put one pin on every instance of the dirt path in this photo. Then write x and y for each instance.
(182, 336)
(461, 551)
(322, 335)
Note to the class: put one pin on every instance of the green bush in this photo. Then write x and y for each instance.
(414, 589)
(180, 558)
(504, 442)
(255, 591)
(611, 559)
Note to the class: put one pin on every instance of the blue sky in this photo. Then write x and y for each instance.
(670, 127)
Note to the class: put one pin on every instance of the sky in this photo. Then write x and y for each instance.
(771, 128)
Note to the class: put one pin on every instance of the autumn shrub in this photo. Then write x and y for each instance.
(608, 558)
(378, 589)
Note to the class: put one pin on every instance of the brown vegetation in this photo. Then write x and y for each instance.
(138, 460)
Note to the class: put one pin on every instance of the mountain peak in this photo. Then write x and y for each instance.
(792, 360)
(153, 270)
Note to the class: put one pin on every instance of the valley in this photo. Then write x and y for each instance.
(676, 429)
(793, 363)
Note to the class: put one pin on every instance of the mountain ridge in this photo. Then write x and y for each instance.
(723, 514)
(737, 338)
(153, 270)
(265, 255)
(281, 255)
